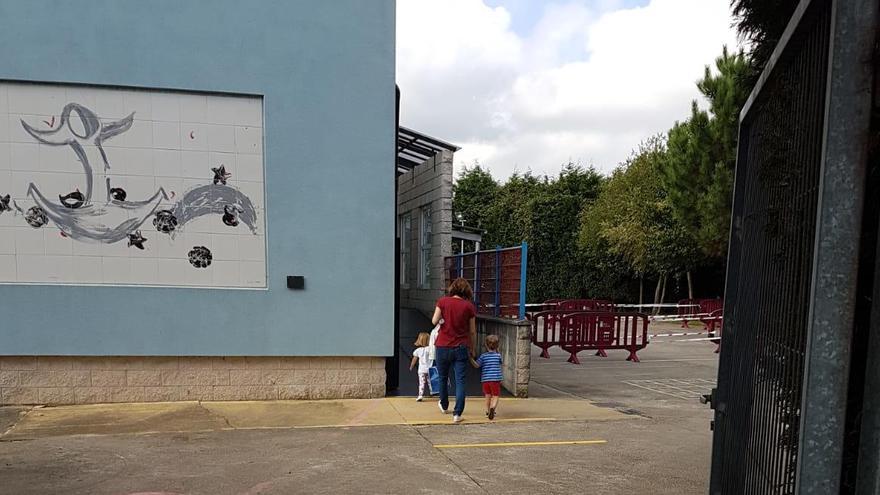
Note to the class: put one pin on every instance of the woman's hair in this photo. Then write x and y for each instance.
(492, 342)
(423, 339)
(461, 288)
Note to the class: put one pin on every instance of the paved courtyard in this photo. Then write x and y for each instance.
(607, 426)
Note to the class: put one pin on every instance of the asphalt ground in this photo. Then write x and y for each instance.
(641, 429)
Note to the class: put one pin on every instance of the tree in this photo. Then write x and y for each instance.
(507, 218)
(473, 194)
(761, 23)
(555, 264)
(697, 171)
(543, 211)
(632, 219)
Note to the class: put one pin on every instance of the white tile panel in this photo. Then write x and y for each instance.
(166, 163)
(166, 135)
(8, 268)
(174, 141)
(249, 140)
(221, 138)
(193, 108)
(166, 107)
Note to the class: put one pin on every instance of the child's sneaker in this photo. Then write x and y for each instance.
(492, 413)
(419, 398)
(456, 419)
(444, 411)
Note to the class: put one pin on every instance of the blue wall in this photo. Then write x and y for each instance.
(326, 72)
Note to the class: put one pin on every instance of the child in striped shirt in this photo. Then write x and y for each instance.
(490, 374)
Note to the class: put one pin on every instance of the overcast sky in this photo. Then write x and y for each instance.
(530, 84)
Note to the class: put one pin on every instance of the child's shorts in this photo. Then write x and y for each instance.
(492, 388)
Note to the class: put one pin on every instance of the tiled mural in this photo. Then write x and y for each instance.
(130, 187)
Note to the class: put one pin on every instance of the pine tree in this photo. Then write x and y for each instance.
(761, 23)
(697, 172)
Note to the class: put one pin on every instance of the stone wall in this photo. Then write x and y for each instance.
(55, 380)
(515, 342)
(427, 184)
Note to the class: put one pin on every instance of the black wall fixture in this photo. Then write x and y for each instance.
(296, 282)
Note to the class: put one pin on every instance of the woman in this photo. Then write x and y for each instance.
(455, 342)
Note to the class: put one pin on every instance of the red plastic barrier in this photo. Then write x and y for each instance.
(601, 331)
(686, 308)
(710, 305)
(551, 304)
(715, 324)
(546, 325)
(586, 305)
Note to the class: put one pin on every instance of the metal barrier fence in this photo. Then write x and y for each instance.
(600, 331)
(781, 402)
(695, 309)
(498, 277)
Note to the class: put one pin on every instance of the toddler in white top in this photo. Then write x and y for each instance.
(421, 356)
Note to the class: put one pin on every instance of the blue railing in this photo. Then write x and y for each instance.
(498, 277)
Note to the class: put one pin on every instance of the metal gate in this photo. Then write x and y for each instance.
(780, 403)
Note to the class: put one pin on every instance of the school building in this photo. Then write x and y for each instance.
(211, 201)
(197, 200)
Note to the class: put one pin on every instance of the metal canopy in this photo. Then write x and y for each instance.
(467, 232)
(414, 148)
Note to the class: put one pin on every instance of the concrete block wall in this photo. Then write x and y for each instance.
(427, 184)
(57, 380)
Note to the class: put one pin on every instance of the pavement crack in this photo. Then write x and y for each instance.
(621, 408)
(21, 416)
(402, 417)
(473, 480)
(221, 416)
(559, 390)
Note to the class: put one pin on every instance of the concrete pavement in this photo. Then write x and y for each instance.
(607, 426)
(113, 419)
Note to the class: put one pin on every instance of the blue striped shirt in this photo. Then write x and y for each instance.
(490, 366)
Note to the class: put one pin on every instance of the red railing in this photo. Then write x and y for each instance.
(687, 310)
(586, 305)
(708, 306)
(715, 324)
(590, 330)
(545, 329)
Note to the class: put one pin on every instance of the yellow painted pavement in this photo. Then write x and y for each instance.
(142, 418)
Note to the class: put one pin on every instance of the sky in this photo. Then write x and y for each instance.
(530, 85)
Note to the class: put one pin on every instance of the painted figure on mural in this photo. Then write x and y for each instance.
(116, 217)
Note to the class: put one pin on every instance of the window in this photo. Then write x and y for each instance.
(425, 248)
(405, 248)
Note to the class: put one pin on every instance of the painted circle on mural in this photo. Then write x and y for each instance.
(200, 257)
(118, 193)
(165, 221)
(36, 217)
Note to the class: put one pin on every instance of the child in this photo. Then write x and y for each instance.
(420, 356)
(490, 374)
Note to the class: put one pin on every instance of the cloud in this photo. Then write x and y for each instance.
(586, 83)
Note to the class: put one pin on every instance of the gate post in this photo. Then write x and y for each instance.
(845, 143)
(497, 280)
(477, 280)
(522, 279)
